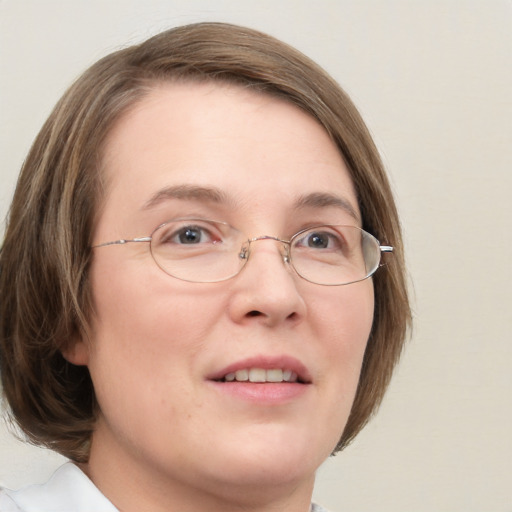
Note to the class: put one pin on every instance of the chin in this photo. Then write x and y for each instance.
(274, 457)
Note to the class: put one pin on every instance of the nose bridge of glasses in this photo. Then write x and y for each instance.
(285, 244)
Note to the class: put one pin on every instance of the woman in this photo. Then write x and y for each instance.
(191, 306)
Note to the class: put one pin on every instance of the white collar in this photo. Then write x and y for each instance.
(68, 489)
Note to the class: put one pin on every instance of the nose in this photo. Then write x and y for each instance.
(266, 290)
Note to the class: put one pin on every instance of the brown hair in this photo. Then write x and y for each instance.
(44, 291)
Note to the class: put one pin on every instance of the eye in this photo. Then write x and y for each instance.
(320, 239)
(180, 233)
(191, 235)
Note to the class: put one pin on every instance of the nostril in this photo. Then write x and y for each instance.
(254, 313)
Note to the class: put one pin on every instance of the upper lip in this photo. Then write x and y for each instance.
(284, 362)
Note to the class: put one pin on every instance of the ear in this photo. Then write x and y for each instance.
(76, 351)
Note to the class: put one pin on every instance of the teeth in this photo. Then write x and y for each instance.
(261, 375)
(292, 378)
(242, 375)
(274, 375)
(257, 375)
(286, 375)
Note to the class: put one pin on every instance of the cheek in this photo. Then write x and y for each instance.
(346, 316)
(141, 307)
(345, 321)
(357, 316)
(146, 328)
(146, 338)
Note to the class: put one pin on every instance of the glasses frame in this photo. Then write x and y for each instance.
(245, 250)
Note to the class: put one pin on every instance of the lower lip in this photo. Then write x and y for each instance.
(265, 393)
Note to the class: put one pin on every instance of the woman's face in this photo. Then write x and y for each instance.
(160, 347)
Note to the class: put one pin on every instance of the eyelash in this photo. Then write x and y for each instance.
(170, 235)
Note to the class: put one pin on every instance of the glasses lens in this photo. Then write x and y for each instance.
(334, 255)
(197, 250)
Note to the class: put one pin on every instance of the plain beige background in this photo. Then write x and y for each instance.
(433, 80)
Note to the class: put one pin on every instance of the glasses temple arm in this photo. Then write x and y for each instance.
(123, 241)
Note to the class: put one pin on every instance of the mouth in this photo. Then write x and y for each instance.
(263, 381)
(260, 375)
(261, 370)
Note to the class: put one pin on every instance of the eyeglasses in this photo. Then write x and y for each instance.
(207, 251)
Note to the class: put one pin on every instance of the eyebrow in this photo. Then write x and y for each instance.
(325, 200)
(218, 196)
(194, 192)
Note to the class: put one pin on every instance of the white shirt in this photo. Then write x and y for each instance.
(68, 490)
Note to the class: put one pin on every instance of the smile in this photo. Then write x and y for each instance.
(261, 375)
(281, 371)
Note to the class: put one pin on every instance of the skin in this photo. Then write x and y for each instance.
(186, 442)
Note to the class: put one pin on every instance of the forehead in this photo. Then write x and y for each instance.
(253, 148)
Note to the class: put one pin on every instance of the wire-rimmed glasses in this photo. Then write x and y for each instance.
(208, 251)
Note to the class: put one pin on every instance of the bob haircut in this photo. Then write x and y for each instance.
(45, 300)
